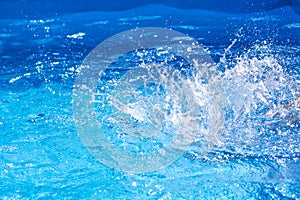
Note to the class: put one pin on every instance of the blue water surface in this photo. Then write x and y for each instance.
(41, 155)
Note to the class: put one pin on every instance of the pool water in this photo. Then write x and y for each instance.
(255, 156)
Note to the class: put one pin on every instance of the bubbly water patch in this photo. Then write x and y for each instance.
(293, 25)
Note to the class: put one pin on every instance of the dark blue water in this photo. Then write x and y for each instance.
(41, 155)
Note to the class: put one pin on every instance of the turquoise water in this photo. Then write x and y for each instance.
(256, 155)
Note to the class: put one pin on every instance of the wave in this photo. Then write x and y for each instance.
(37, 9)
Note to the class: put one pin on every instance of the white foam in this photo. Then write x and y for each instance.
(76, 35)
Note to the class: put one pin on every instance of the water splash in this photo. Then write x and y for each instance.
(167, 103)
(260, 113)
(154, 92)
(262, 106)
